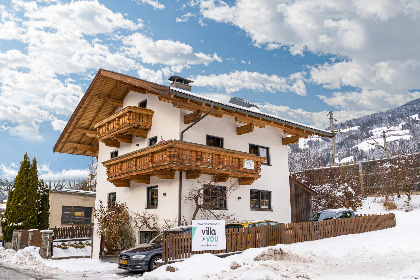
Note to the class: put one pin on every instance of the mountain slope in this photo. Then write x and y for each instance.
(362, 139)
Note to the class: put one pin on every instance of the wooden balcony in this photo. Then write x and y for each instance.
(162, 160)
(123, 125)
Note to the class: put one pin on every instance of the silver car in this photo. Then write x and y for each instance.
(333, 214)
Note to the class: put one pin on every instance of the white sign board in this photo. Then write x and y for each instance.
(208, 235)
(248, 164)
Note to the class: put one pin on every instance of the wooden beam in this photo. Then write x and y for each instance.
(221, 178)
(245, 129)
(83, 147)
(88, 132)
(246, 181)
(138, 132)
(165, 175)
(290, 140)
(123, 138)
(121, 183)
(112, 101)
(143, 179)
(111, 143)
(192, 117)
(193, 174)
(247, 120)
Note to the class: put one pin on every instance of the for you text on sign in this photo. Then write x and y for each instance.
(208, 235)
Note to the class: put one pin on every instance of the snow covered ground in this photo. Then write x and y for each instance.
(385, 254)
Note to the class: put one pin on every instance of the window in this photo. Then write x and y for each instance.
(152, 197)
(260, 200)
(146, 236)
(214, 197)
(114, 154)
(152, 141)
(76, 215)
(112, 198)
(214, 141)
(260, 151)
(143, 104)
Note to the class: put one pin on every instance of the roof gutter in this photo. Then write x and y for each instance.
(181, 137)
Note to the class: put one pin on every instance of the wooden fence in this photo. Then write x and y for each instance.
(75, 232)
(179, 246)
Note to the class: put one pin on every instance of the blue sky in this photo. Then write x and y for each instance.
(295, 59)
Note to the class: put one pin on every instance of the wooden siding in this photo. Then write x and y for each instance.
(300, 202)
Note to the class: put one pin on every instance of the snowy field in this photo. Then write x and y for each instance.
(385, 254)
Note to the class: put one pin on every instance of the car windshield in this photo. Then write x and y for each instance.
(157, 239)
(234, 226)
(316, 217)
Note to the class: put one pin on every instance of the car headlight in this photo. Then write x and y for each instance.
(137, 257)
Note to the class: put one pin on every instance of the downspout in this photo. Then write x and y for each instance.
(181, 137)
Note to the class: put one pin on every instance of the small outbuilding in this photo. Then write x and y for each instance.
(71, 208)
(300, 201)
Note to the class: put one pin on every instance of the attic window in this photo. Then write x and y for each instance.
(143, 104)
(114, 154)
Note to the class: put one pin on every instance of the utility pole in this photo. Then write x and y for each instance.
(385, 146)
(333, 139)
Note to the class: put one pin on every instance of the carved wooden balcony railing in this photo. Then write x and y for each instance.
(123, 125)
(162, 160)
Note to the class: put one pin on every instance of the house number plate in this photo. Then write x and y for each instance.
(248, 164)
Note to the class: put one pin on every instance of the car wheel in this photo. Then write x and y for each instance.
(154, 261)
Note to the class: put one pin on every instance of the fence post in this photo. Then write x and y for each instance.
(16, 238)
(46, 241)
(282, 234)
(30, 236)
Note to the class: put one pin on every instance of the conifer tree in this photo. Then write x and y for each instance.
(15, 209)
(43, 205)
(22, 204)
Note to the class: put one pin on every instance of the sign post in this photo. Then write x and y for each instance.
(208, 235)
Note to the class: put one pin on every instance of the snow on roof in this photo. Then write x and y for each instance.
(70, 191)
(252, 110)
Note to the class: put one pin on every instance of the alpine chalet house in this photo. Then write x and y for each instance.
(154, 143)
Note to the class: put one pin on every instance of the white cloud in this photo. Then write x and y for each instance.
(368, 100)
(10, 171)
(46, 174)
(238, 80)
(57, 39)
(167, 52)
(378, 40)
(184, 18)
(155, 4)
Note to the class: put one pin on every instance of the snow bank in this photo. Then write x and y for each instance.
(386, 254)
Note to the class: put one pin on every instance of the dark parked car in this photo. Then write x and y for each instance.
(333, 214)
(145, 256)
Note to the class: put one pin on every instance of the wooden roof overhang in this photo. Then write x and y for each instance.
(303, 186)
(108, 90)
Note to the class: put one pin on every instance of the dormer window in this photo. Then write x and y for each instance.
(143, 104)
(114, 154)
(152, 140)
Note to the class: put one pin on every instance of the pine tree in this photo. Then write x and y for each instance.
(43, 205)
(22, 204)
(15, 209)
(31, 205)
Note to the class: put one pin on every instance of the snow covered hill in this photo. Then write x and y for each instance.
(362, 139)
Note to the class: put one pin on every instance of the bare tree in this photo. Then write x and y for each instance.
(205, 203)
(151, 221)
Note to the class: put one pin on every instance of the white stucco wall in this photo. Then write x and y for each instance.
(167, 123)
